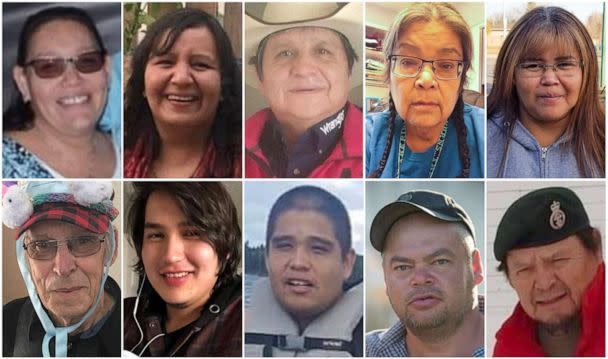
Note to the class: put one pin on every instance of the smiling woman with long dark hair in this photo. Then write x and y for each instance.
(183, 101)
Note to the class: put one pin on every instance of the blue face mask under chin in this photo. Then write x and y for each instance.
(60, 333)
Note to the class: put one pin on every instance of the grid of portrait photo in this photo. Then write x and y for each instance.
(316, 179)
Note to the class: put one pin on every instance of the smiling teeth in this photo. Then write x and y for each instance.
(73, 100)
(180, 98)
(176, 275)
(298, 282)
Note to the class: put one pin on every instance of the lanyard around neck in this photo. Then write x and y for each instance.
(436, 152)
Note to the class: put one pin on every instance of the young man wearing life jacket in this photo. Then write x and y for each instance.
(303, 308)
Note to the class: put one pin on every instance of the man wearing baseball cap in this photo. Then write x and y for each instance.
(431, 271)
(302, 59)
(65, 245)
(552, 257)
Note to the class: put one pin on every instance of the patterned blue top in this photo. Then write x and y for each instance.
(18, 162)
(391, 343)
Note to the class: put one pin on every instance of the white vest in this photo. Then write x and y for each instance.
(266, 318)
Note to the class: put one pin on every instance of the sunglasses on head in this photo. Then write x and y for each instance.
(51, 67)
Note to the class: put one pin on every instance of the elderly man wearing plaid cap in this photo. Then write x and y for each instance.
(65, 246)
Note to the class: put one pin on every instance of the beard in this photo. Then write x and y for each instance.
(445, 319)
(560, 325)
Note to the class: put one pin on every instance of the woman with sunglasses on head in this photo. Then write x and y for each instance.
(428, 130)
(183, 101)
(53, 128)
(545, 114)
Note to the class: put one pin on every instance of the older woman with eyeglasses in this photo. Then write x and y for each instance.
(545, 115)
(428, 130)
(53, 128)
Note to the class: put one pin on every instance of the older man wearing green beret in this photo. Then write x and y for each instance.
(552, 257)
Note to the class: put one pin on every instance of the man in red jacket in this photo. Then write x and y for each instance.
(304, 68)
(552, 257)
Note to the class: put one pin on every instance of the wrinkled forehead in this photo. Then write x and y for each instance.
(548, 40)
(417, 35)
(296, 36)
(570, 245)
(56, 229)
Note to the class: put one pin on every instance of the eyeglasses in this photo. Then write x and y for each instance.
(51, 67)
(533, 69)
(82, 246)
(410, 66)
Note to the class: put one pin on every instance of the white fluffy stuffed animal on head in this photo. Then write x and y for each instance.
(16, 207)
(87, 193)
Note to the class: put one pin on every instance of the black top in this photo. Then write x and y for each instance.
(101, 340)
(309, 151)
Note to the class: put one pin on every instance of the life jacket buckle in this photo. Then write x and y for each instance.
(292, 342)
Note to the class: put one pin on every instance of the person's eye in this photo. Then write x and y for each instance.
(408, 61)
(560, 259)
(441, 262)
(153, 236)
(84, 240)
(41, 245)
(282, 245)
(162, 62)
(402, 267)
(446, 65)
(531, 66)
(320, 249)
(192, 233)
(566, 65)
(200, 65)
(324, 51)
(285, 53)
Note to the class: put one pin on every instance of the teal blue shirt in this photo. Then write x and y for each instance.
(417, 164)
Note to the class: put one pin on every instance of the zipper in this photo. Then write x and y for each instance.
(543, 157)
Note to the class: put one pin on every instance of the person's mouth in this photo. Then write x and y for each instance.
(550, 300)
(68, 290)
(425, 104)
(181, 99)
(306, 89)
(299, 285)
(73, 100)
(175, 278)
(550, 96)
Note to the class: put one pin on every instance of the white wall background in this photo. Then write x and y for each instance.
(501, 298)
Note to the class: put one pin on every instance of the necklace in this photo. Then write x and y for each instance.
(436, 152)
(93, 155)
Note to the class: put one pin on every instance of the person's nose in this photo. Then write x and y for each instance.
(304, 64)
(65, 262)
(544, 277)
(71, 75)
(174, 249)
(426, 78)
(300, 259)
(420, 276)
(549, 76)
(182, 74)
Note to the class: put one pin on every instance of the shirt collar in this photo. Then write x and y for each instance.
(310, 150)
